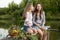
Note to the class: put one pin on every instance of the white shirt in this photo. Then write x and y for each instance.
(28, 18)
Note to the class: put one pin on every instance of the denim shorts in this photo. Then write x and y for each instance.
(26, 27)
(35, 27)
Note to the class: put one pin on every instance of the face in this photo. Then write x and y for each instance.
(32, 8)
(39, 7)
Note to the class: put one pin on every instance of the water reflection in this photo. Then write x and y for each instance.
(54, 35)
(3, 33)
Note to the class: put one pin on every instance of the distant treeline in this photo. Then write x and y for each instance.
(12, 14)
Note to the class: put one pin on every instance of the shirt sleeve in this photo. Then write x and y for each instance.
(44, 17)
(43, 20)
(27, 17)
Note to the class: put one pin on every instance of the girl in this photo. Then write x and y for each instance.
(28, 19)
(39, 21)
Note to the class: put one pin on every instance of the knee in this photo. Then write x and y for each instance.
(41, 34)
(31, 32)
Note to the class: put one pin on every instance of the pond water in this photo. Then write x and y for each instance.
(3, 33)
(54, 35)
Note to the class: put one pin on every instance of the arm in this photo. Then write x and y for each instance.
(43, 20)
(27, 19)
(28, 24)
(38, 25)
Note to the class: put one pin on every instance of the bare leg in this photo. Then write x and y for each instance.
(44, 35)
(30, 30)
(35, 31)
(40, 34)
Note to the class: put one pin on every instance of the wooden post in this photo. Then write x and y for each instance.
(48, 33)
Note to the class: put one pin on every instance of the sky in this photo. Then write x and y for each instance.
(4, 3)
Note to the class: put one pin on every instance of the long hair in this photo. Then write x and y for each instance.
(27, 8)
(36, 11)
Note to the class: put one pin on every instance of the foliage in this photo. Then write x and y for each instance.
(13, 13)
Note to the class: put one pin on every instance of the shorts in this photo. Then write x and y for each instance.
(26, 27)
(35, 27)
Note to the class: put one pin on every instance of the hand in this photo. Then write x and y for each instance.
(34, 30)
(41, 28)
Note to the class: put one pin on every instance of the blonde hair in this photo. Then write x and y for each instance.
(27, 8)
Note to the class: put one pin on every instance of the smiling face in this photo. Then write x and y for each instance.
(32, 8)
(39, 7)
